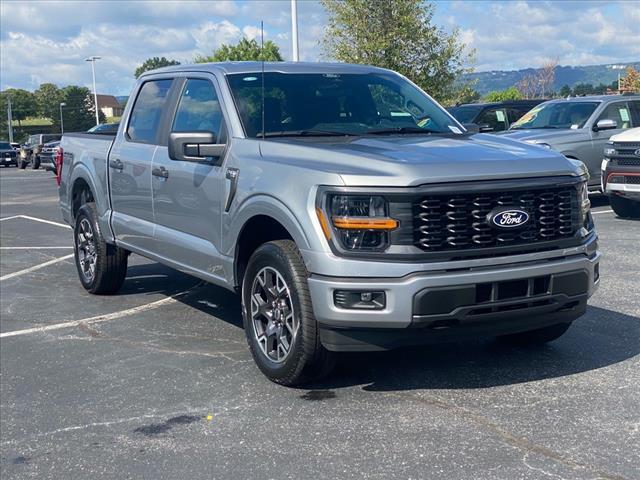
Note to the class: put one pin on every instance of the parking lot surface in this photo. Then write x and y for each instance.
(158, 382)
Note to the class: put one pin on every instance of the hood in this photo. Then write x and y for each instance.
(404, 160)
(542, 135)
(631, 135)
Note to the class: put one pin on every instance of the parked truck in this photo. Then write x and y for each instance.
(347, 208)
(621, 173)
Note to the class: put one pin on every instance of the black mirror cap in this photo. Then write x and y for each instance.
(471, 127)
(194, 146)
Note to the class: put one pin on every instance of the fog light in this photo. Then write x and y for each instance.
(358, 300)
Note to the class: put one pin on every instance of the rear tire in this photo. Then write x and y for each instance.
(535, 337)
(625, 207)
(35, 162)
(102, 267)
(278, 316)
(22, 164)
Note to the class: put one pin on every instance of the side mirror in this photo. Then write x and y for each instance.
(485, 127)
(198, 146)
(471, 127)
(605, 124)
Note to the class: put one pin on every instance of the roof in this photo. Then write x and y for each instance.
(282, 67)
(498, 104)
(597, 98)
(108, 101)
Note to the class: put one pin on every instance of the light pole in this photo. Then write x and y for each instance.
(61, 119)
(294, 30)
(93, 59)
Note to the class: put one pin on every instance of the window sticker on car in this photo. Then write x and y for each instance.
(454, 129)
(624, 114)
(500, 115)
(574, 126)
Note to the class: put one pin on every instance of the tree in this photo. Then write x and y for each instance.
(565, 91)
(153, 63)
(245, 49)
(48, 97)
(546, 77)
(630, 82)
(23, 103)
(511, 93)
(399, 35)
(583, 89)
(79, 111)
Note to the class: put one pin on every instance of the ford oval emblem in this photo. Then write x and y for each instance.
(509, 218)
(637, 153)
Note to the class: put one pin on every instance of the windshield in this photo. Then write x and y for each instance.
(466, 114)
(557, 115)
(5, 146)
(335, 104)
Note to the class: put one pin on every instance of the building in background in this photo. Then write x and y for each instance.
(110, 106)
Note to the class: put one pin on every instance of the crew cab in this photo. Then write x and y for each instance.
(348, 209)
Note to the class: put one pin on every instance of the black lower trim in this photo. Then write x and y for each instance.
(363, 340)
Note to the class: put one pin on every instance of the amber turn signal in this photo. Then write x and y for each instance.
(323, 223)
(363, 223)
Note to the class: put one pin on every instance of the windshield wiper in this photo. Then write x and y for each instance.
(392, 130)
(534, 128)
(308, 133)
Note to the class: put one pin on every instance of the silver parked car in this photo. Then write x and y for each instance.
(579, 127)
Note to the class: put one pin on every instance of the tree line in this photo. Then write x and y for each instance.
(78, 111)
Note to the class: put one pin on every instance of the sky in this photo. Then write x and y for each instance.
(48, 41)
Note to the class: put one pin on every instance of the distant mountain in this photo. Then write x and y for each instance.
(594, 74)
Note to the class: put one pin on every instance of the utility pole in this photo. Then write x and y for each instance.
(9, 118)
(93, 59)
(63, 104)
(294, 29)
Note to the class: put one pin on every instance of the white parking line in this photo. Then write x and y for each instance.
(9, 218)
(601, 211)
(35, 267)
(34, 248)
(42, 220)
(98, 318)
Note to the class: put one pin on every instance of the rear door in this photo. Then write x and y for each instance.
(130, 166)
(188, 195)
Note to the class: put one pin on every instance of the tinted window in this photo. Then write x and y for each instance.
(466, 114)
(618, 112)
(199, 108)
(357, 104)
(494, 118)
(5, 146)
(146, 113)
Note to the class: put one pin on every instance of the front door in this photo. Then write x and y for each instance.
(621, 114)
(130, 168)
(187, 196)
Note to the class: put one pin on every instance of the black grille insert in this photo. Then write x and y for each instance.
(454, 222)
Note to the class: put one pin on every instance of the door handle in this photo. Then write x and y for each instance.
(116, 164)
(160, 172)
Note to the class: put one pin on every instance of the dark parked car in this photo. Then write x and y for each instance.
(105, 129)
(30, 152)
(493, 117)
(8, 155)
(48, 155)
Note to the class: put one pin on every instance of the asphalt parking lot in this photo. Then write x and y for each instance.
(157, 382)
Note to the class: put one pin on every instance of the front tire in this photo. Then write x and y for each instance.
(35, 162)
(536, 337)
(101, 267)
(22, 164)
(279, 323)
(625, 207)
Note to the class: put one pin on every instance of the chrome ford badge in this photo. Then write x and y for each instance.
(509, 218)
(637, 153)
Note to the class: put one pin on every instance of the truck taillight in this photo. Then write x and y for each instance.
(59, 160)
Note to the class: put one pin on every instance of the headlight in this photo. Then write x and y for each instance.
(359, 222)
(585, 203)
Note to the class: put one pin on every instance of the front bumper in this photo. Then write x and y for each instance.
(460, 311)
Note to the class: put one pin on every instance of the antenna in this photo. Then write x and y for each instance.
(262, 58)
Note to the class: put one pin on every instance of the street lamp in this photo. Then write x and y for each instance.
(62, 104)
(93, 59)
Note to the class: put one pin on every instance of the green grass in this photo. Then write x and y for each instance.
(113, 119)
(34, 122)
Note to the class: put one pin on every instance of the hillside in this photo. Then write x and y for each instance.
(594, 74)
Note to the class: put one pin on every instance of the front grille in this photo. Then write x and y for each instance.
(632, 179)
(628, 162)
(458, 221)
(625, 145)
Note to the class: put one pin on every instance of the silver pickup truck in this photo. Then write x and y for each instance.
(349, 210)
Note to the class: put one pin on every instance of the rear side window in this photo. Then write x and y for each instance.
(199, 108)
(147, 111)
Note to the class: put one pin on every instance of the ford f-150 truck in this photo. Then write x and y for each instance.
(349, 210)
(621, 173)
